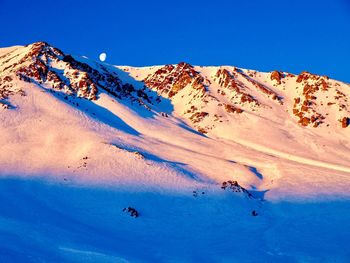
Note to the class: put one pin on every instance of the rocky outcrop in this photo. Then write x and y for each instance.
(227, 82)
(7, 89)
(345, 122)
(198, 116)
(304, 76)
(277, 76)
(170, 80)
(305, 107)
(235, 187)
(232, 109)
(51, 68)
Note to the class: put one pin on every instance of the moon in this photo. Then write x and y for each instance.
(103, 56)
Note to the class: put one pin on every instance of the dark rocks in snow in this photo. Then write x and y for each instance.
(202, 130)
(131, 211)
(5, 105)
(304, 106)
(305, 121)
(198, 116)
(232, 109)
(196, 193)
(303, 76)
(235, 187)
(171, 79)
(7, 79)
(276, 75)
(345, 122)
(139, 155)
(297, 100)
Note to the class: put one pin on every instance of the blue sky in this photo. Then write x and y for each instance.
(264, 35)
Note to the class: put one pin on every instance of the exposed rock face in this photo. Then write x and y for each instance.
(276, 75)
(198, 116)
(5, 87)
(345, 122)
(227, 81)
(307, 106)
(303, 107)
(304, 76)
(232, 109)
(170, 80)
(51, 68)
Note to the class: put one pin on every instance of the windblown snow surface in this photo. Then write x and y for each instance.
(68, 171)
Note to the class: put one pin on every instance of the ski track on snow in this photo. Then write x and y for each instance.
(291, 157)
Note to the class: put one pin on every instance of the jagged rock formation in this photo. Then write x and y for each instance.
(170, 80)
(49, 67)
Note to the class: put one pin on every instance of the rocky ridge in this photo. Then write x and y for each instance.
(50, 68)
(208, 96)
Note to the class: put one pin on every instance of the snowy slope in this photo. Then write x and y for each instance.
(81, 140)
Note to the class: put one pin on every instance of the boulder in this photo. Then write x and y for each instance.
(276, 75)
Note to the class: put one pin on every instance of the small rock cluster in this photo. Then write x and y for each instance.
(235, 187)
(232, 109)
(131, 211)
(196, 193)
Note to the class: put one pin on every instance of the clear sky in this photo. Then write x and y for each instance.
(258, 34)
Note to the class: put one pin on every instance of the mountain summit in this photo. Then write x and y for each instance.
(310, 100)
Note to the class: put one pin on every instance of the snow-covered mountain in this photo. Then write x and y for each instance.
(225, 150)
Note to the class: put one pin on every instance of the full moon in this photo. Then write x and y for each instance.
(103, 56)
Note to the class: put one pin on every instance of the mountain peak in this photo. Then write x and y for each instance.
(50, 68)
(308, 99)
